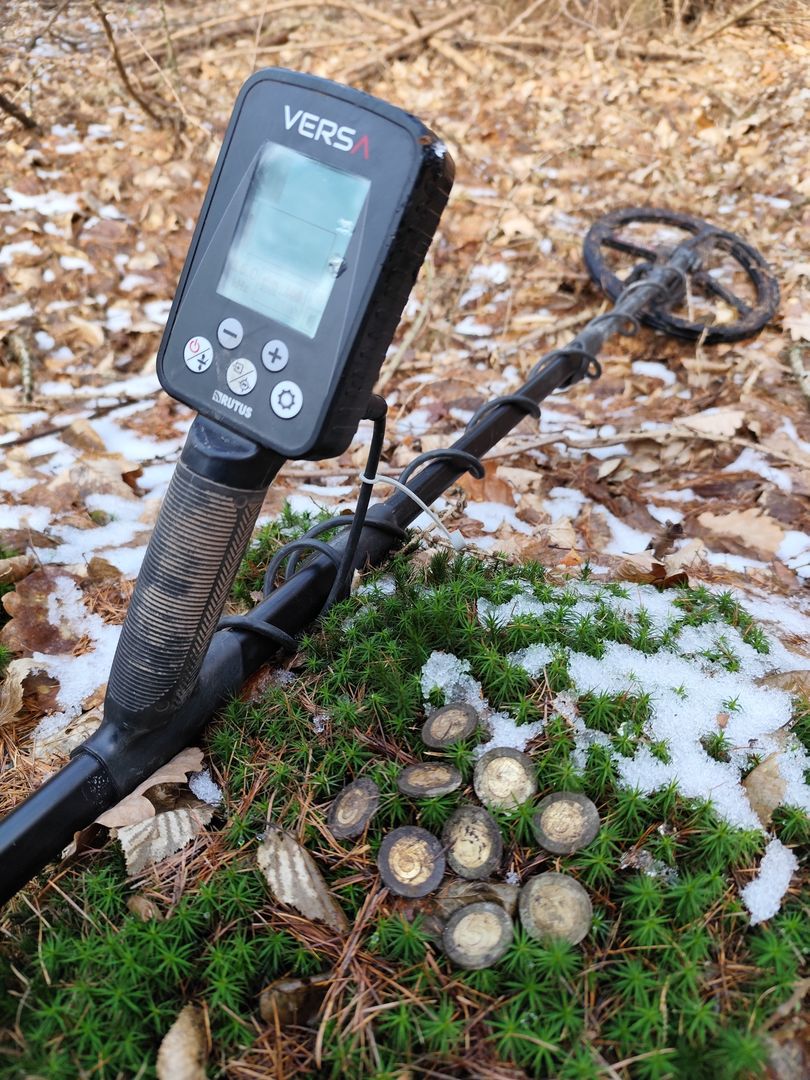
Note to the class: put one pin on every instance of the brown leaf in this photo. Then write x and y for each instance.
(15, 568)
(663, 543)
(490, 489)
(295, 879)
(11, 690)
(795, 682)
(293, 1001)
(562, 534)
(32, 628)
(749, 529)
(765, 787)
(184, 1050)
(160, 836)
(715, 423)
(135, 807)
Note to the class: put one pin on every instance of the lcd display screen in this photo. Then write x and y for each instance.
(291, 239)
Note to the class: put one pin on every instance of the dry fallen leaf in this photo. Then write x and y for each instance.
(15, 568)
(11, 690)
(716, 423)
(162, 835)
(765, 787)
(750, 529)
(184, 1050)
(295, 879)
(795, 682)
(293, 1001)
(135, 807)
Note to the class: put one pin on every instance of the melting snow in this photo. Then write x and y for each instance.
(763, 896)
(204, 788)
(78, 676)
(445, 672)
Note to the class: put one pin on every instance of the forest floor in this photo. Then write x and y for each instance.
(552, 122)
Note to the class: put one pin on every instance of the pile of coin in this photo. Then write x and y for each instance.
(472, 915)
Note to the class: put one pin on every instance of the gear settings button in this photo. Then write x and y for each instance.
(286, 399)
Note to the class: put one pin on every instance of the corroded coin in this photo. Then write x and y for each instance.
(428, 778)
(411, 861)
(505, 778)
(477, 936)
(472, 841)
(556, 906)
(565, 822)
(450, 724)
(353, 808)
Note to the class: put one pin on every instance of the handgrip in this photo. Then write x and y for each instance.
(200, 537)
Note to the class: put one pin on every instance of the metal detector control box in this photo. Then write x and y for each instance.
(320, 211)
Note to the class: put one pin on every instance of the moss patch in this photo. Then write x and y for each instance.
(671, 981)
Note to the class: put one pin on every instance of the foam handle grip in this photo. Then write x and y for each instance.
(201, 534)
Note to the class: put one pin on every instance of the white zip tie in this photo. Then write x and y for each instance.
(455, 538)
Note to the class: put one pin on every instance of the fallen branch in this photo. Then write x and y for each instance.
(22, 117)
(738, 16)
(416, 37)
(544, 44)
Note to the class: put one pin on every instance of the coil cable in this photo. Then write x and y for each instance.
(287, 558)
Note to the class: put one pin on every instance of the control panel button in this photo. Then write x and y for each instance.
(275, 355)
(198, 354)
(241, 376)
(286, 399)
(229, 333)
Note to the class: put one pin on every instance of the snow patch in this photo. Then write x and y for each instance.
(763, 896)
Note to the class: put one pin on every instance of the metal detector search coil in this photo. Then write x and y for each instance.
(320, 211)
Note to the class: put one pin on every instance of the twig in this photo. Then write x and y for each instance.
(41, 33)
(169, 45)
(523, 16)
(19, 350)
(119, 65)
(799, 370)
(738, 16)
(416, 37)
(9, 107)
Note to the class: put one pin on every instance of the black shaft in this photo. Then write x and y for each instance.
(117, 757)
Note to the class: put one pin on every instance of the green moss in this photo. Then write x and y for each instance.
(669, 975)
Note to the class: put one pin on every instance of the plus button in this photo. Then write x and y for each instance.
(275, 355)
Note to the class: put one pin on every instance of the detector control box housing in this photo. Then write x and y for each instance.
(320, 211)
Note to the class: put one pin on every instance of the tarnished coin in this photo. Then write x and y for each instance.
(505, 778)
(565, 822)
(428, 778)
(472, 842)
(477, 936)
(450, 724)
(353, 808)
(411, 861)
(556, 906)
